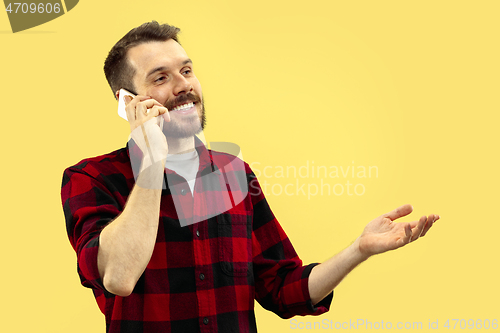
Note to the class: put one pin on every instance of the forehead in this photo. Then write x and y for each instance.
(147, 56)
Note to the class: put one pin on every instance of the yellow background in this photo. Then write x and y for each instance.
(410, 87)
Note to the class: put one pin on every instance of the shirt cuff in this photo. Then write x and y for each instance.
(323, 305)
(87, 265)
(305, 306)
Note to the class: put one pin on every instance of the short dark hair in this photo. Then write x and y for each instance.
(117, 69)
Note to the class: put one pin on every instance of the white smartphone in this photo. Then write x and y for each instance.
(121, 103)
(121, 107)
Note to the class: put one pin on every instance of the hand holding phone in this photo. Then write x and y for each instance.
(121, 107)
(146, 131)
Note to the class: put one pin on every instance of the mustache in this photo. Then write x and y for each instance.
(182, 99)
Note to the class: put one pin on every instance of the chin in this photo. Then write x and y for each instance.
(184, 130)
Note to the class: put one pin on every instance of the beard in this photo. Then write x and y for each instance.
(185, 126)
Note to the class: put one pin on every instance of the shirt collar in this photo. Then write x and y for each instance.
(205, 155)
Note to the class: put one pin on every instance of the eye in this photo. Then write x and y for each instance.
(187, 71)
(161, 79)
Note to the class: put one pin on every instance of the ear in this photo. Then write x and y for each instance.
(117, 94)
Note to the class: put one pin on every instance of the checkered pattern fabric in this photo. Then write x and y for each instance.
(202, 277)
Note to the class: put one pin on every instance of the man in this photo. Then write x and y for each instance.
(133, 215)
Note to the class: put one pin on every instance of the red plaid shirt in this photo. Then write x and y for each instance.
(202, 277)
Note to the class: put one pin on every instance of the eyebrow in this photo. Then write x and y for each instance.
(163, 68)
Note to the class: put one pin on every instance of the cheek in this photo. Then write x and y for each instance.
(196, 86)
(159, 95)
(198, 92)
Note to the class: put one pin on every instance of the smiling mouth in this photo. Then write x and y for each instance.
(183, 107)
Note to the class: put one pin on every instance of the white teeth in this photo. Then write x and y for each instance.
(183, 107)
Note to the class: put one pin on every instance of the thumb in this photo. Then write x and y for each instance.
(127, 99)
(399, 212)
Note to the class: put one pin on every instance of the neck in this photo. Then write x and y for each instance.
(180, 146)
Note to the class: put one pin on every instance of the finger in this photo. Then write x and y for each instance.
(129, 110)
(141, 111)
(166, 116)
(156, 111)
(160, 122)
(130, 105)
(419, 228)
(429, 225)
(136, 99)
(408, 233)
(149, 103)
(127, 99)
(399, 212)
(144, 108)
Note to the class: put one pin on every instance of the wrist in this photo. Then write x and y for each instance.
(358, 251)
(151, 174)
(151, 141)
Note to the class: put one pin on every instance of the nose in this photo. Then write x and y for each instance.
(182, 85)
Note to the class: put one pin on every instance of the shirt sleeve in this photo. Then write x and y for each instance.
(88, 207)
(281, 281)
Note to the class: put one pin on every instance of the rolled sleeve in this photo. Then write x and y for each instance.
(87, 265)
(281, 281)
(88, 208)
(296, 294)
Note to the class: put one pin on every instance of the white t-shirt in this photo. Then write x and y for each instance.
(185, 165)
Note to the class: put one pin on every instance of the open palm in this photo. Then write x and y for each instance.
(383, 234)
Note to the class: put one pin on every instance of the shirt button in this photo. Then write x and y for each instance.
(202, 276)
(198, 233)
(205, 321)
(183, 191)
